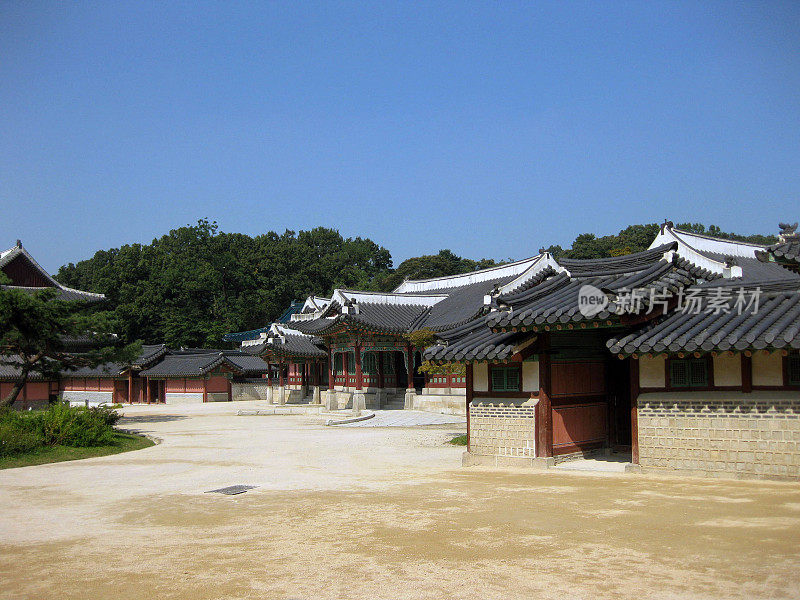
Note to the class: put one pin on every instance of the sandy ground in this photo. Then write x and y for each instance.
(376, 513)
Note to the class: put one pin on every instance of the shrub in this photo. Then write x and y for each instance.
(18, 433)
(78, 427)
(58, 425)
(459, 440)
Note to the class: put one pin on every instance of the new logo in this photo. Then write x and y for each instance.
(591, 300)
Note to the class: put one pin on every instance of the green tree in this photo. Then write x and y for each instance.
(431, 265)
(35, 332)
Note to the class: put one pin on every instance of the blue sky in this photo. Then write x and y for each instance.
(491, 129)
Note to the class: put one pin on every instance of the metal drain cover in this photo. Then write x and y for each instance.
(232, 490)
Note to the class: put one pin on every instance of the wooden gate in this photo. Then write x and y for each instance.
(579, 405)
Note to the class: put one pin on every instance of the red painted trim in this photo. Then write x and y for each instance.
(634, 383)
(544, 412)
(469, 395)
(747, 373)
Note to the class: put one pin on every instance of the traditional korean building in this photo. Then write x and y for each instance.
(297, 364)
(685, 355)
(200, 375)
(373, 362)
(113, 383)
(786, 252)
(27, 275)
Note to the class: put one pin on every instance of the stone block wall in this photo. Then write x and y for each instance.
(724, 433)
(502, 429)
(249, 391)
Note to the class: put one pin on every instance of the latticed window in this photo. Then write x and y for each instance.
(688, 372)
(793, 369)
(388, 363)
(506, 379)
(370, 366)
(338, 363)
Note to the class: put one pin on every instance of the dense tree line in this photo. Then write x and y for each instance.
(193, 285)
(636, 238)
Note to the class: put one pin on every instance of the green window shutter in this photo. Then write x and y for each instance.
(505, 379)
(498, 379)
(369, 366)
(794, 370)
(679, 373)
(512, 380)
(388, 362)
(698, 372)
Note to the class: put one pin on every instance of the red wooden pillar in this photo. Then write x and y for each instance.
(634, 410)
(410, 368)
(330, 370)
(205, 389)
(130, 386)
(469, 390)
(146, 384)
(281, 378)
(544, 414)
(359, 373)
(379, 358)
(747, 374)
(230, 391)
(269, 373)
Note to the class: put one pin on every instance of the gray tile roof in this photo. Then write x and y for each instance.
(300, 346)
(477, 342)
(149, 354)
(754, 269)
(194, 363)
(388, 318)
(786, 252)
(775, 325)
(556, 300)
(64, 292)
(12, 371)
(104, 370)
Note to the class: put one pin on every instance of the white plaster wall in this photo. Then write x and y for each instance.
(79, 398)
(651, 372)
(480, 377)
(728, 370)
(183, 398)
(530, 376)
(767, 369)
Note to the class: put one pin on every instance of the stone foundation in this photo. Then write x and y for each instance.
(445, 401)
(721, 433)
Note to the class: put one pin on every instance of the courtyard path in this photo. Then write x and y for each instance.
(376, 512)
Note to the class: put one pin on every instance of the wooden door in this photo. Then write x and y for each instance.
(579, 405)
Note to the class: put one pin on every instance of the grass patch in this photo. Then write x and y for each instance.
(122, 442)
(459, 440)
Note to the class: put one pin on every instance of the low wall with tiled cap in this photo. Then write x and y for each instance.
(502, 428)
(249, 391)
(446, 401)
(755, 435)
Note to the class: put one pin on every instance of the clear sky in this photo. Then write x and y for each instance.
(490, 128)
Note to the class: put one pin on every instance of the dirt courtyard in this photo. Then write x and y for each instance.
(376, 513)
